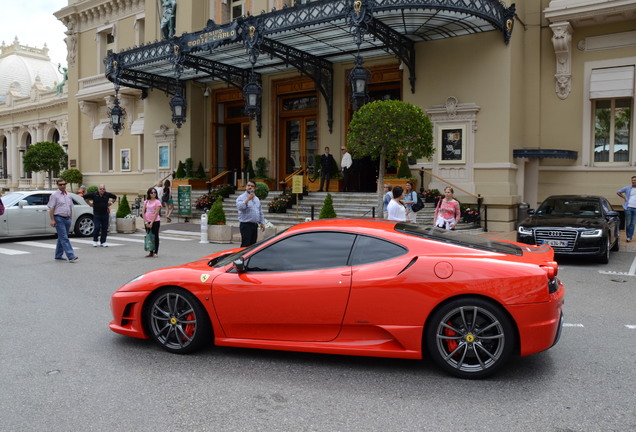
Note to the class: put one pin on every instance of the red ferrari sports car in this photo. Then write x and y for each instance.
(359, 287)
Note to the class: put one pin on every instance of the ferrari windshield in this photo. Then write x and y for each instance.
(570, 207)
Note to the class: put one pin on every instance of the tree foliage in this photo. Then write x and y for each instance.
(180, 171)
(216, 214)
(45, 156)
(386, 129)
(327, 211)
(124, 208)
(72, 175)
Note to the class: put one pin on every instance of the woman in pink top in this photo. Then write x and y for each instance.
(447, 212)
(152, 206)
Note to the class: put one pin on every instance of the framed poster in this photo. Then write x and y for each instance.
(164, 156)
(125, 159)
(452, 144)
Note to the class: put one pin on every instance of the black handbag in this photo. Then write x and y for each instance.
(417, 205)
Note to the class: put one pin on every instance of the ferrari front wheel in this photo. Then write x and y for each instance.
(177, 321)
(470, 337)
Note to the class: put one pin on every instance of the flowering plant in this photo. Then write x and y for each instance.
(431, 194)
(206, 200)
(469, 214)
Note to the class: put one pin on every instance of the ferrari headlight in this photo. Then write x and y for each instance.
(136, 279)
(524, 231)
(592, 233)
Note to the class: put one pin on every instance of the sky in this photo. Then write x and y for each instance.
(33, 22)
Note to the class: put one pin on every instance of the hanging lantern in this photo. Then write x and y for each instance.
(117, 116)
(178, 107)
(252, 93)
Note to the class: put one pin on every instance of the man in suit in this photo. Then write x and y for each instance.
(326, 162)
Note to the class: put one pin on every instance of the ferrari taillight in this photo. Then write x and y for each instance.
(551, 268)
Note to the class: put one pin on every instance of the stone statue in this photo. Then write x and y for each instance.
(168, 19)
(60, 86)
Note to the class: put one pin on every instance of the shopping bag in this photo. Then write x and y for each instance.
(149, 242)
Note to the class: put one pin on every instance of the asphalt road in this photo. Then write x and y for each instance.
(62, 369)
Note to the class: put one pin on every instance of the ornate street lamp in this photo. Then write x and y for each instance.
(117, 116)
(252, 93)
(359, 80)
(116, 113)
(178, 107)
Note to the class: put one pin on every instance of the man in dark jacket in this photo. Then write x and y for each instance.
(326, 162)
(101, 202)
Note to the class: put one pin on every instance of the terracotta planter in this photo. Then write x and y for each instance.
(197, 184)
(126, 225)
(335, 185)
(220, 233)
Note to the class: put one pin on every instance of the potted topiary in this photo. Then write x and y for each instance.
(261, 191)
(327, 211)
(218, 231)
(261, 173)
(185, 175)
(126, 222)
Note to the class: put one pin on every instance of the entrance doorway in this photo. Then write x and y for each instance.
(298, 138)
(233, 138)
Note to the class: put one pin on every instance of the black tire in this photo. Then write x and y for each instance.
(603, 258)
(617, 244)
(84, 226)
(177, 321)
(470, 337)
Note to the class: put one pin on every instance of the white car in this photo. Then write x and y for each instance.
(26, 214)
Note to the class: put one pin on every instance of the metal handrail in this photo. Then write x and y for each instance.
(291, 176)
(219, 176)
(477, 197)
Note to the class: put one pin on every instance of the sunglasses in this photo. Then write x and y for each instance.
(61, 184)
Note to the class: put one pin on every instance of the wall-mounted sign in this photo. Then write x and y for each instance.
(451, 144)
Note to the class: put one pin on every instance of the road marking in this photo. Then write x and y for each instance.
(90, 242)
(166, 237)
(12, 252)
(38, 244)
(631, 327)
(134, 240)
(631, 272)
(185, 233)
(572, 325)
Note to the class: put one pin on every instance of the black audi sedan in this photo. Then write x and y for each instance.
(573, 225)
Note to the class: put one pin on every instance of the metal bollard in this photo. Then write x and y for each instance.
(204, 228)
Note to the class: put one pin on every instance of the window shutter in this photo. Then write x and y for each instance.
(612, 83)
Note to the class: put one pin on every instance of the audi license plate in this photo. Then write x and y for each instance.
(557, 243)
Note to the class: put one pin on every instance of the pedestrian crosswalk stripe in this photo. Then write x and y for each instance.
(39, 244)
(166, 237)
(128, 239)
(90, 242)
(12, 252)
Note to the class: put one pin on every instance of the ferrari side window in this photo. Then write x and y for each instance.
(309, 251)
(370, 249)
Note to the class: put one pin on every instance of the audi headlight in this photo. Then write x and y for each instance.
(592, 233)
(524, 231)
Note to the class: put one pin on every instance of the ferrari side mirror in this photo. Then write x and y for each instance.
(239, 265)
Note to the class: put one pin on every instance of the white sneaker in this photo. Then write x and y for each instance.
(104, 244)
(95, 244)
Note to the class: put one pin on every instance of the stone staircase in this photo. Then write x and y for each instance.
(353, 204)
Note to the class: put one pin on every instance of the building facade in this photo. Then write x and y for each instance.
(526, 101)
(33, 105)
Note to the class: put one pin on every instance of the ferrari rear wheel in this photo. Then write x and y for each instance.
(470, 338)
(177, 321)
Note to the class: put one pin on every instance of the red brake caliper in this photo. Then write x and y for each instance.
(189, 328)
(452, 344)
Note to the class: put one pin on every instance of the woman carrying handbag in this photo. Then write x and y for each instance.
(152, 219)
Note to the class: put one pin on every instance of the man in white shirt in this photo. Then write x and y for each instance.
(346, 163)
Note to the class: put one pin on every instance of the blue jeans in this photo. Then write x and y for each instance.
(101, 222)
(630, 220)
(63, 245)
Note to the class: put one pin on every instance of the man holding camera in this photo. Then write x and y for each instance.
(250, 215)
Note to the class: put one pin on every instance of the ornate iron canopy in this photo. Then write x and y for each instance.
(308, 37)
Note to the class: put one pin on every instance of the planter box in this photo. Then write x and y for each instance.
(335, 185)
(197, 184)
(126, 225)
(271, 183)
(220, 233)
(269, 232)
(400, 182)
